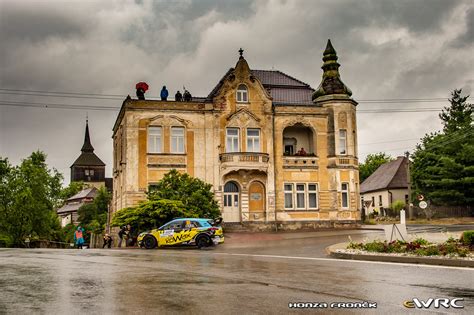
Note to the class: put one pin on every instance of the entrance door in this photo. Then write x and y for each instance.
(257, 198)
(231, 211)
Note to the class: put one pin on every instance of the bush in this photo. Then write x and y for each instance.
(397, 206)
(468, 238)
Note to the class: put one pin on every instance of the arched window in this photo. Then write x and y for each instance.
(231, 187)
(242, 94)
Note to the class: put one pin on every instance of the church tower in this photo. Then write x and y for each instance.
(88, 167)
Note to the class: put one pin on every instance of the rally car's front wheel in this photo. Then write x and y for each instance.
(203, 240)
(149, 241)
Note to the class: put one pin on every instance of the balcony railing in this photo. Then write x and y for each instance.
(244, 161)
(295, 161)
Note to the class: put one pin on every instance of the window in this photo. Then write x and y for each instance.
(380, 200)
(301, 196)
(345, 195)
(253, 140)
(300, 192)
(232, 144)
(288, 196)
(177, 140)
(89, 172)
(312, 196)
(373, 201)
(86, 172)
(342, 141)
(242, 94)
(154, 139)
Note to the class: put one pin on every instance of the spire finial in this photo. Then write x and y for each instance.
(241, 52)
(87, 146)
(331, 83)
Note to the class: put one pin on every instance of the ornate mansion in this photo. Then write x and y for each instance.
(274, 149)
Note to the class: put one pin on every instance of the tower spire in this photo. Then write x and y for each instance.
(331, 82)
(87, 146)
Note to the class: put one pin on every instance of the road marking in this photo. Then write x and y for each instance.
(346, 261)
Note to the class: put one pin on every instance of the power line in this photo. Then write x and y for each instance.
(115, 108)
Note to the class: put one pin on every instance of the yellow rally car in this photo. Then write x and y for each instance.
(184, 231)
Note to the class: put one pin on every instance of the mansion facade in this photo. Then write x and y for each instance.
(274, 149)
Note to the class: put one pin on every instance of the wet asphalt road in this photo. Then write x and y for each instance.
(249, 274)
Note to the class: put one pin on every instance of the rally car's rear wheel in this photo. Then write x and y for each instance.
(203, 240)
(149, 241)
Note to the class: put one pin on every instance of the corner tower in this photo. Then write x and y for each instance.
(333, 95)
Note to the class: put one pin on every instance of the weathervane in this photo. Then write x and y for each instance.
(241, 52)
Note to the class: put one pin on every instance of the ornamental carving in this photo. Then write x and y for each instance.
(243, 118)
(171, 120)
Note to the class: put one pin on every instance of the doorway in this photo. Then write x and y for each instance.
(257, 197)
(231, 211)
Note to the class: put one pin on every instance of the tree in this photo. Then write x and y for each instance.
(93, 216)
(175, 195)
(372, 163)
(443, 163)
(196, 195)
(458, 116)
(28, 194)
(151, 214)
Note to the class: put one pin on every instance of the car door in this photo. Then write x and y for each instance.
(169, 233)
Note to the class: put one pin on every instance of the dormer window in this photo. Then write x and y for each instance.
(242, 94)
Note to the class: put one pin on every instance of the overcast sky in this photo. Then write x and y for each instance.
(387, 50)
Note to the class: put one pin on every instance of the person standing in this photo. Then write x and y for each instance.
(164, 93)
(107, 240)
(178, 97)
(121, 234)
(78, 237)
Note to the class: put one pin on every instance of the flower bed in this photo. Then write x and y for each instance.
(418, 247)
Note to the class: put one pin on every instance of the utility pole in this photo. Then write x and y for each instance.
(410, 204)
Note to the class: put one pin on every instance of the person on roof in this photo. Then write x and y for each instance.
(178, 97)
(164, 93)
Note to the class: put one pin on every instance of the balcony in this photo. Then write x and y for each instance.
(244, 161)
(298, 162)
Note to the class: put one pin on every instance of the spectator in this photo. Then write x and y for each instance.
(107, 241)
(178, 97)
(302, 152)
(187, 96)
(164, 93)
(121, 234)
(78, 237)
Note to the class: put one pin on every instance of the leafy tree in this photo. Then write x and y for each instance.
(93, 216)
(443, 163)
(150, 214)
(372, 163)
(175, 195)
(28, 194)
(196, 195)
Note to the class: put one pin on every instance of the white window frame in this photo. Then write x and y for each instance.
(253, 140)
(291, 192)
(316, 193)
(242, 94)
(342, 142)
(234, 147)
(300, 192)
(346, 192)
(177, 141)
(154, 146)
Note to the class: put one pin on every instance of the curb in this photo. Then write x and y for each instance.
(331, 250)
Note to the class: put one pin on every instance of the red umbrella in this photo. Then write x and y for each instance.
(142, 85)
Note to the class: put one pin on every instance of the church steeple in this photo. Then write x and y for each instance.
(331, 83)
(87, 146)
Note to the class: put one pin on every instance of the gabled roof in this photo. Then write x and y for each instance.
(85, 193)
(88, 159)
(390, 175)
(283, 88)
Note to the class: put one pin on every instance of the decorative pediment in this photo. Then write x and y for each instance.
(243, 118)
(169, 120)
